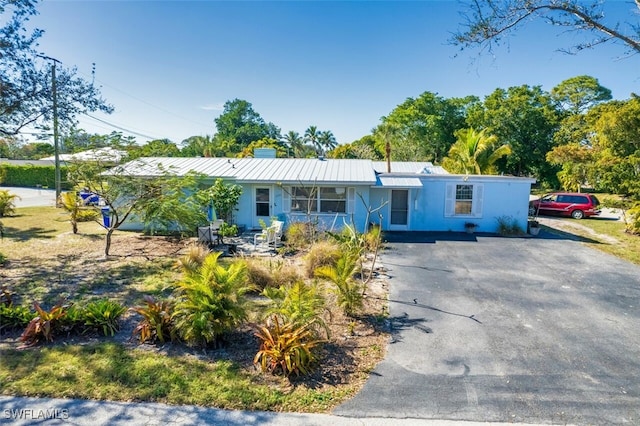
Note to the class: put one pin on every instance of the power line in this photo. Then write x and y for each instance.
(145, 102)
(122, 128)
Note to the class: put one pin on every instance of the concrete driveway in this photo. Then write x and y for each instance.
(533, 330)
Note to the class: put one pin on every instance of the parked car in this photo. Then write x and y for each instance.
(571, 204)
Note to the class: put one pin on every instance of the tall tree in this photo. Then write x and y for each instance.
(295, 142)
(475, 152)
(423, 128)
(198, 146)
(525, 118)
(327, 141)
(26, 93)
(577, 94)
(312, 137)
(489, 21)
(239, 125)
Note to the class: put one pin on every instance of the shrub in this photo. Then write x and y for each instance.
(33, 176)
(348, 290)
(632, 221)
(156, 324)
(508, 226)
(87, 215)
(12, 317)
(193, 258)
(299, 235)
(211, 301)
(103, 315)
(299, 304)
(285, 348)
(7, 203)
(73, 320)
(43, 326)
(259, 274)
(322, 253)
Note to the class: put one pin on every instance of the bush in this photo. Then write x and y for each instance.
(211, 301)
(299, 235)
(259, 274)
(103, 315)
(285, 348)
(193, 259)
(87, 215)
(33, 176)
(632, 222)
(299, 304)
(43, 326)
(348, 290)
(508, 226)
(13, 317)
(156, 324)
(321, 253)
(7, 203)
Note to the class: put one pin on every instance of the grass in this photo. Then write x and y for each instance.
(109, 371)
(629, 246)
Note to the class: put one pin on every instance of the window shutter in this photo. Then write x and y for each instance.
(478, 195)
(450, 200)
(351, 200)
(286, 199)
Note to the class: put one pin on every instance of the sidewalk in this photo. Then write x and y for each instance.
(16, 411)
(32, 197)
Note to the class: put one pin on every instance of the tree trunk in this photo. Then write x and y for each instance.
(74, 226)
(107, 244)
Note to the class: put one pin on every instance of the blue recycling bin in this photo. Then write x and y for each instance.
(106, 216)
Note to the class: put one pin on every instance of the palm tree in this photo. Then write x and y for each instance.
(327, 141)
(212, 301)
(474, 152)
(295, 142)
(70, 202)
(312, 136)
(348, 290)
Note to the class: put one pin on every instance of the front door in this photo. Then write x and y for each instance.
(262, 208)
(398, 219)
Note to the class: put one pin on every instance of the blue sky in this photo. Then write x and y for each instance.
(168, 67)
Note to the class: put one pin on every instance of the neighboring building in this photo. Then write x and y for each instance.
(413, 196)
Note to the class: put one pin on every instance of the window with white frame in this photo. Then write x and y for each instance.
(464, 199)
(320, 199)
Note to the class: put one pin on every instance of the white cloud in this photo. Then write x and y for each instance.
(213, 107)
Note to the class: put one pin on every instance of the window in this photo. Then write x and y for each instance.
(304, 199)
(463, 200)
(319, 199)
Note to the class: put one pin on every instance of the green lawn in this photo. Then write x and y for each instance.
(629, 245)
(109, 371)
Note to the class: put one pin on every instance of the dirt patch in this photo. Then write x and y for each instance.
(573, 227)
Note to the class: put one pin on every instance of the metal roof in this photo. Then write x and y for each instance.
(418, 167)
(398, 182)
(281, 170)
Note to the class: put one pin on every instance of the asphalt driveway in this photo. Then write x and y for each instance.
(533, 330)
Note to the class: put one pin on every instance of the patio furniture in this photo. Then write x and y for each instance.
(272, 234)
(211, 235)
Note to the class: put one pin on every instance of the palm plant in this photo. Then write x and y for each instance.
(299, 304)
(7, 203)
(312, 136)
(211, 301)
(327, 141)
(295, 142)
(348, 290)
(475, 152)
(69, 201)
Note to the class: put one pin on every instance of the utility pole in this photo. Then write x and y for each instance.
(56, 144)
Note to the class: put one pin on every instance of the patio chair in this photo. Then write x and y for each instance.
(272, 234)
(211, 235)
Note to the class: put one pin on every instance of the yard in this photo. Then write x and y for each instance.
(46, 263)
